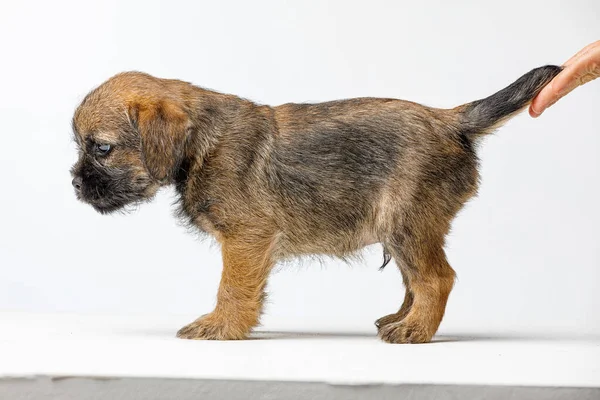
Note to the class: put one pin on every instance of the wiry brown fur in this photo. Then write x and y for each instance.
(271, 183)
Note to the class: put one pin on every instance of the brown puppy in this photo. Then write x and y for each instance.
(270, 183)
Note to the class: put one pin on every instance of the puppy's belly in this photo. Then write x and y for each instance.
(292, 244)
(298, 235)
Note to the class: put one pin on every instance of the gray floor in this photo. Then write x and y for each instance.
(77, 388)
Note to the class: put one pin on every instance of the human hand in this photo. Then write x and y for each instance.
(581, 68)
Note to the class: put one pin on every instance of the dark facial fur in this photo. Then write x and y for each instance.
(273, 183)
(108, 189)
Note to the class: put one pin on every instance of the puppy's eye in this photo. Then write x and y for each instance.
(102, 149)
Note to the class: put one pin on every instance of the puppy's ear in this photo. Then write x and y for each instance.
(163, 128)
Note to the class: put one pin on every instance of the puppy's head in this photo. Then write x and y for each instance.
(131, 133)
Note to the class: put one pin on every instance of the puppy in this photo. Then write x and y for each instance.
(272, 183)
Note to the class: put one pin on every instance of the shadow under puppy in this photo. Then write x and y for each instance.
(271, 183)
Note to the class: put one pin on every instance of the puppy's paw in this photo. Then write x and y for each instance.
(213, 327)
(404, 332)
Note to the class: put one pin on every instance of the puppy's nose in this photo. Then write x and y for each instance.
(76, 182)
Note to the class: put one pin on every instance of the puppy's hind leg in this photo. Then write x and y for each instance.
(423, 263)
(247, 262)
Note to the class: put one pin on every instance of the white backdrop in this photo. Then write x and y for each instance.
(527, 250)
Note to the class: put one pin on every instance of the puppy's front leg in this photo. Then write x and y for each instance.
(246, 267)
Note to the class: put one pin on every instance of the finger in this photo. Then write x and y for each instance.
(579, 69)
(581, 53)
(566, 81)
(579, 72)
(547, 96)
(563, 84)
(556, 89)
(571, 77)
(533, 113)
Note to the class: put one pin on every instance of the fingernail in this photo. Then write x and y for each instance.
(536, 113)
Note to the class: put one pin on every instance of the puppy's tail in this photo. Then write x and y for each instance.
(483, 116)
